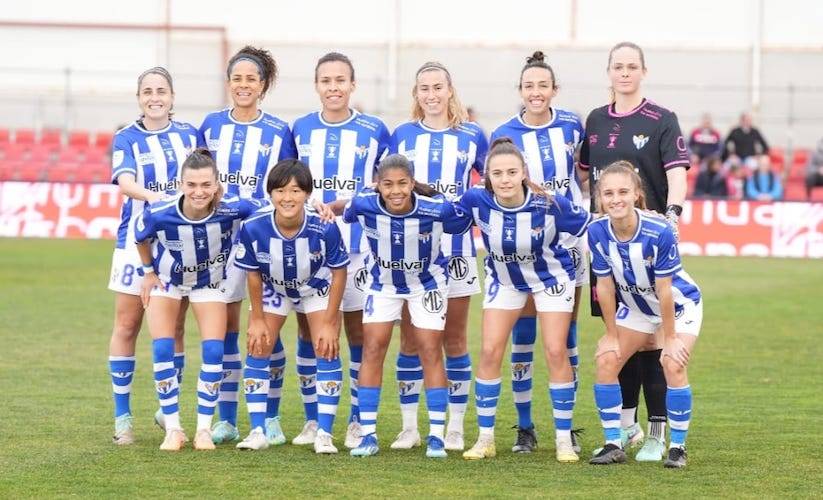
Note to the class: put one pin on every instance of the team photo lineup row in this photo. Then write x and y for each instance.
(335, 214)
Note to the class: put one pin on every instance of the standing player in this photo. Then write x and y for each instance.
(443, 148)
(184, 244)
(637, 130)
(341, 147)
(635, 257)
(146, 158)
(521, 229)
(404, 227)
(297, 262)
(548, 138)
(246, 143)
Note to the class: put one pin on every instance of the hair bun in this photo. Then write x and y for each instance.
(538, 56)
(499, 141)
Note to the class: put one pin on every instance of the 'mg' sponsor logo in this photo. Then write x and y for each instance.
(433, 301)
(458, 268)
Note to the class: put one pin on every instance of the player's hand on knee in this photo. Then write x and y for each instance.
(259, 338)
(150, 282)
(607, 344)
(676, 350)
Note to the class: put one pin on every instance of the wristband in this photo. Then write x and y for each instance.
(148, 269)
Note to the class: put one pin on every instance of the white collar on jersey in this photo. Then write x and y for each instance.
(517, 208)
(257, 119)
(429, 129)
(179, 206)
(277, 230)
(353, 112)
(538, 127)
(385, 211)
(158, 131)
(636, 231)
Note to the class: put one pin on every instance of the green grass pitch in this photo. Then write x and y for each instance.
(756, 431)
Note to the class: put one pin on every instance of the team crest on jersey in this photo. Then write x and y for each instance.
(520, 370)
(462, 156)
(613, 141)
(397, 238)
(570, 148)
(433, 301)
(360, 278)
(425, 236)
(537, 232)
(201, 243)
(547, 152)
(276, 374)
(509, 233)
(331, 151)
(593, 139)
(316, 256)
(555, 290)
(170, 155)
(361, 151)
(458, 268)
(640, 140)
(329, 387)
(241, 251)
(435, 155)
(238, 145)
(649, 261)
(289, 260)
(404, 387)
(306, 380)
(117, 158)
(264, 149)
(251, 386)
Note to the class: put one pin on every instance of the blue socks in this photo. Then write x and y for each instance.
(208, 384)
(256, 387)
(277, 369)
(523, 337)
(562, 397)
(307, 374)
(369, 401)
(679, 409)
(355, 358)
(409, 383)
(609, 401)
(329, 385)
(436, 402)
(232, 370)
(122, 373)
(165, 381)
(486, 394)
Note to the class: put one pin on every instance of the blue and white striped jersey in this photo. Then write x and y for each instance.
(342, 158)
(188, 253)
(154, 157)
(523, 242)
(245, 152)
(294, 267)
(406, 248)
(549, 150)
(443, 159)
(635, 264)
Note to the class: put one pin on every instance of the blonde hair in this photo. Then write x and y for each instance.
(625, 168)
(456, 112)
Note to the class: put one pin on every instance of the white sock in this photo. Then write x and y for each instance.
(627, 417)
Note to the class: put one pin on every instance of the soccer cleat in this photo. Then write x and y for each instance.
(483, 448)
(652, 450)
(630, 437)
(174, 440)
(676, 458)
(454, 441)
(576, 440)
(160, 419)
(256, 440)
(323, 443)
(406, 440)
(123, 430)
(223, 432)
(203, 440)
(353, 434)
(307, 435)
(435, 447)
(367, 447)
(526, 440)
(609, 454)
(274, 433)
(565, 451)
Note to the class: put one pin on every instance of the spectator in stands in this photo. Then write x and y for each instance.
(763, 184)
(711, 182)
(705, 140)
(735, 180)
(814, 169)
(745, 140)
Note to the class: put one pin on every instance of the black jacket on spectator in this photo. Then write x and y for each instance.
(711, 185)
(745, 144)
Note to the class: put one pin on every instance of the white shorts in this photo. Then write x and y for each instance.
(427, 309)
(235, 280)
(274, 303)
(463, 279)
(559, 298)
(688, 320)
(211, 293)
(124, 277)
(357, 277)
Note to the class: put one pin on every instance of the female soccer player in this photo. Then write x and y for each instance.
(184, 245)
(341, 147)
(521, 230)
(637, 130)
(547, 137)
(297, 262)
(246, 143)
(146, 158)
(634, 255)
(443, 147)
(404, 227)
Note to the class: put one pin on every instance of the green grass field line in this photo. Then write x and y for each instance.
(756, 376)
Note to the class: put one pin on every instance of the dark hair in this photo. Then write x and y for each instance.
(334, 57)
(537, 60)
(199, 158)
(625, 168)
(400, 162)
(261, 58)
(505, 146)
(286, 170)
(630, 45)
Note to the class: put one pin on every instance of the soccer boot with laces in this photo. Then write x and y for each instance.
(526, 440)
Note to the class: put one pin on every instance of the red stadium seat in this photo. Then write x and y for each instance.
(51, 136)
(71, 154)
(103, 140)
(24, 136)
(5, 136)
(62, 172)
(801, 155)
(12, 151)
(32, 171)
(79, 138)
(97, 155)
